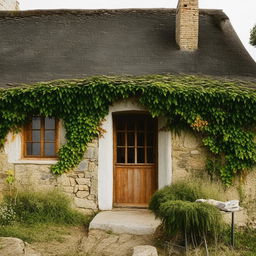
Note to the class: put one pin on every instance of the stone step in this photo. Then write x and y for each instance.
(127, 221)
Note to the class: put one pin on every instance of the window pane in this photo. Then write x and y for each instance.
(140, 139)
(120, 124)
(120, 139)
(140, 155)
(33, 149)
(150, 139)
(49, 136)
(49, 123)
(130, 139)
(131, 157)
(140, 125)
(130, 124)
(36, 135)
(49, 149)
(120, 155)
(150, 155)
(36, 122)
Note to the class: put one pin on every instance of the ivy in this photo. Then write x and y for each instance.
(222, 111)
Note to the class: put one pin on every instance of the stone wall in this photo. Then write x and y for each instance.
(189, 157)
(9, 5)
(187, 24)
(79, 184)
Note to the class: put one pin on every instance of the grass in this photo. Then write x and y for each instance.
(40, 232)
(245, 244)
(41, 207)
(245, 241)
(39, 216)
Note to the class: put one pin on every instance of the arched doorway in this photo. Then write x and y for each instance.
(106, 157)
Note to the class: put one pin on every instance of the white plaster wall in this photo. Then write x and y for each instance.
(164, 155)
(105, 168)
(13, 148)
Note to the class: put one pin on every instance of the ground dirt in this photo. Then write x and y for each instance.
(80, 242)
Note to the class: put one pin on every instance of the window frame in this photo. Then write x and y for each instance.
(42, 140)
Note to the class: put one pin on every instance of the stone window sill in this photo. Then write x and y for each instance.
(36, 161)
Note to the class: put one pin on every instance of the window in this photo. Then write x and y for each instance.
(40, 138)
(135, 139)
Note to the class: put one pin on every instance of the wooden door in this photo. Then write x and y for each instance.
(135, 159)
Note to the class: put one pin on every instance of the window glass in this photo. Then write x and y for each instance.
(33, 149)
(40, 137)
(131, 156)
(49, 123)
(120, 139)
(49, 136)
(140, 155)
(150, 155)
(36, 123)
(49, 149)
(121, 155)
(36, 135)
(130, 139)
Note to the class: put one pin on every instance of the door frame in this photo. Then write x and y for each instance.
(105, 154)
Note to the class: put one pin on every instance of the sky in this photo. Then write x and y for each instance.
(242, 13)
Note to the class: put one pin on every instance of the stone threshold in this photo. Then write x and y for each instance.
(126, 221)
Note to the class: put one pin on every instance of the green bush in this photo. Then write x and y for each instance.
(180, 215)
(43, 207)
(184, 191)
(196, 220)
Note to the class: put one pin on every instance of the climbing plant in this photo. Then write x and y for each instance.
(222, 111)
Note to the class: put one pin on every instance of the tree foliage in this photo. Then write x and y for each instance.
(253, 36)
(222, 111)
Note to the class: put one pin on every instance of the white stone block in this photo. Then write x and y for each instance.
(145, 250)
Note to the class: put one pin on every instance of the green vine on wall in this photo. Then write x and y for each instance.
(223, 111)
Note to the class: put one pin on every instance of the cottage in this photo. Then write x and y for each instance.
(135, 155)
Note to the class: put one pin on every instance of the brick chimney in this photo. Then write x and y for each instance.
(187, 25)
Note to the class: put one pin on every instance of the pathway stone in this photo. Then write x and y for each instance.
(10, 246)
(106, 243)
(144, 250)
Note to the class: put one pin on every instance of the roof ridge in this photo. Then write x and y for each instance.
(46, 12)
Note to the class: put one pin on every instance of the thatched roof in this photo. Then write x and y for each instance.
(44, 45)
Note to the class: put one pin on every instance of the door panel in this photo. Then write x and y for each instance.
(135, 172)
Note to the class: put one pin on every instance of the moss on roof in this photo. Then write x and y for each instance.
(169, 81)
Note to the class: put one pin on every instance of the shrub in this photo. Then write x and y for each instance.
(44, 207)
(184, 191)
(195, 220)
(180, 215)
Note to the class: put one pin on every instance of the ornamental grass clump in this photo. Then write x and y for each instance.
(197, 222)
(182, 217)
(184, 191)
